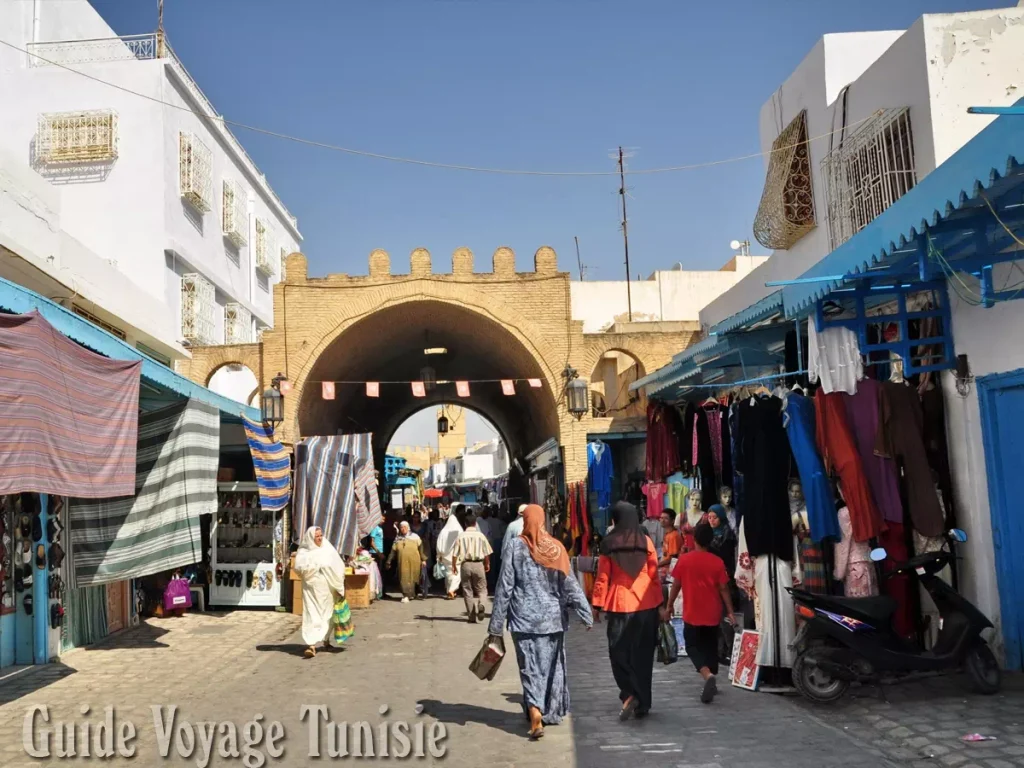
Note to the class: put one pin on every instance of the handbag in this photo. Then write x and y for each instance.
(488, 658)
(668, 646)
(177, 595)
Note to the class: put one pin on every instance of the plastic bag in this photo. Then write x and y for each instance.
(668, 647)
(177, 595)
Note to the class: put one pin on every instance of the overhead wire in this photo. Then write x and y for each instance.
(414, 161)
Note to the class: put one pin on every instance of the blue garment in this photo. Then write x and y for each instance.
(541, 660)
(514, 530)
(599, 468)
(799, 421)
(535, 600)
(377, 537)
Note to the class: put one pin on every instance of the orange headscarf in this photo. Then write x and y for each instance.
(545, 549)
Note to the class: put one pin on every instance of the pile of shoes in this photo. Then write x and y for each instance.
(54, 532)
(6, 554)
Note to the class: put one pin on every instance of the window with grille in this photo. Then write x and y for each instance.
(111, 329)
(77, 137)
(235, 216)
(198, 307)
(871, 170)
(264, 247)
(786, 211)
(195, 162)
(237, 324)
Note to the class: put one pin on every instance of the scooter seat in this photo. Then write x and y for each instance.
(879, 609)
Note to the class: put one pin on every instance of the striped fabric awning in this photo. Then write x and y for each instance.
(70, 416)
(158, 528)
(336, 489)
(273, 466)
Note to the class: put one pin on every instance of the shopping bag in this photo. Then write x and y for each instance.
(488, 659)
(668, 648)
(177, 595)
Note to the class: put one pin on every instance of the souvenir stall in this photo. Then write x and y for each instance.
(615, 472)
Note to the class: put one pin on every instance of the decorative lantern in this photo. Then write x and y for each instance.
(578, 396)
(429, 378)
(272, 403)
(442, 425)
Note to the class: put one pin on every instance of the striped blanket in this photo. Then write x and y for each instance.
(158, 528)
(70, 416)
(336, 489)
(273, 466)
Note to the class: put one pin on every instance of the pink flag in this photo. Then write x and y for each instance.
(418, 389)
(535, 383)
(508, 386)
(327, 388)
(462, 387)
(373, 389)
(285, 387)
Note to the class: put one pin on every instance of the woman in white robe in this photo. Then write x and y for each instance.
(323, 584)
(445, 546)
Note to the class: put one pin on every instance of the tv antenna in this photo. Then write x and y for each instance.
(579, 262)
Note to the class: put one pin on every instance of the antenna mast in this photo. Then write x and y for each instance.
(579, 261)
(625, 233)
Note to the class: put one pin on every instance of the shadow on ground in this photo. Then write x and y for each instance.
(23, 682)
(462, 714)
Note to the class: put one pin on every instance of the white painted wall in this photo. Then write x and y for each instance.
(666, 295)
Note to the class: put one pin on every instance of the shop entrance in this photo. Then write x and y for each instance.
(1002, 413)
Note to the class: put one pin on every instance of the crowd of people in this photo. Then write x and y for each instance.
(528, 571)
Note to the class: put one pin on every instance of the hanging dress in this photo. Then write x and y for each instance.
(800, 430)
(765, 579)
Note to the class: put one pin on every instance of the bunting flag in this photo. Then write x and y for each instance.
(273, 466)
(285, 387)
(508, 386)
(419, 389)
(535, 383)
(373, 389)
(327, 389)
(462, 388)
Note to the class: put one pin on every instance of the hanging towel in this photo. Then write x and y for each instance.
(70, 415)
(158, 528)
(833, 357)
(273, 466)
(336, 489)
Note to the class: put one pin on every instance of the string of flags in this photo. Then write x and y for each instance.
(328, 389)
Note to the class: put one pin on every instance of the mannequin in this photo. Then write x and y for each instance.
(725, 499)
(853, 564)
(812, 566)
(693, 516)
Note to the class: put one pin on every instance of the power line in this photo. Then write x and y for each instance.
(424, 163)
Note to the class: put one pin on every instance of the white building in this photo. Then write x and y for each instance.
(138, 208)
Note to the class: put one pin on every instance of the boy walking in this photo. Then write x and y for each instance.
(705, 585)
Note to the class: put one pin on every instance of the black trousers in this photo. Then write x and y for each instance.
(632, 640)
(702, 646)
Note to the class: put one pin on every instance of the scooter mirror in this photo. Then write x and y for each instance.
(878, 555)
(958, 535)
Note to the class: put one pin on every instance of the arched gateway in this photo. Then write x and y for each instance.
(496, 325)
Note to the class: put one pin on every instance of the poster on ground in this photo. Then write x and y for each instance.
(744, 671)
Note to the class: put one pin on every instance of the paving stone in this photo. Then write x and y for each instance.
(952, 760)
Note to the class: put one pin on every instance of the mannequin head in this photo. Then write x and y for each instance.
(796, 493)
(694, 500)
(725, 496)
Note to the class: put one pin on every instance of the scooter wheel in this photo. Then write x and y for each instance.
(983, 669)
(816, 684)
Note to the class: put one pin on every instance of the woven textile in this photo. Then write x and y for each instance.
(158, 528)
(336, 489)
(273, 466)
(70, 415)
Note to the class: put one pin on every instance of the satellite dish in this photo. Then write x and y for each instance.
(735, 245)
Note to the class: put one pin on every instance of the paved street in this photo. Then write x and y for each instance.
(230, 667)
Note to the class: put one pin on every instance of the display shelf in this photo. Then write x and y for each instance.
(256, 556)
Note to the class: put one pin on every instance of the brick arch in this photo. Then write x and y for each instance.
(206, 361)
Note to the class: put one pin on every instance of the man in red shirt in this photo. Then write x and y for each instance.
(705, 585)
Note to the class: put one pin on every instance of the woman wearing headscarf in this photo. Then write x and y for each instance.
(628, 590)
(445, 547)
(408, 550)
(534, 592)
(324, 607)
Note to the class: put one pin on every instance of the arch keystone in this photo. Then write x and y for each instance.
(296, 268)
(504, 262)
(545, 261)
(419, 263)
(462, 261)
(380, 263)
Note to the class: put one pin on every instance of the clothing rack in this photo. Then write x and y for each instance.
(757, 380)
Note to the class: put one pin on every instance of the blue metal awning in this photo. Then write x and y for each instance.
(944, 223)
(759, 312)
(19, 300)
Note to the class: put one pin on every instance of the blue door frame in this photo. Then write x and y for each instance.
(1006, 514)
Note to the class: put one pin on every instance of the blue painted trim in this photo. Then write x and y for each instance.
(21, 300)
(995, 110)
(1000, 512)
(41, 592)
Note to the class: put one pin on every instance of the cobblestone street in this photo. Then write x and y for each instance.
(231, 667)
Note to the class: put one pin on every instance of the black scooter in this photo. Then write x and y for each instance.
(846, 640)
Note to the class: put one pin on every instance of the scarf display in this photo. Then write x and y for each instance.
(626, 545)
(545, 549)
(272, 464)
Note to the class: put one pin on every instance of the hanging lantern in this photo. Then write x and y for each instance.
(442, 425)
(272, 407)
(578, 398)
(429, 378)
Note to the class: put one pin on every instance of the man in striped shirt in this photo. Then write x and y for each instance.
(474, 552)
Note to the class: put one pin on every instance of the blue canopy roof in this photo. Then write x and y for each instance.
(757, 312)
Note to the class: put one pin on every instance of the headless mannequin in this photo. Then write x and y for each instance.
(811, 570)
(853, 565)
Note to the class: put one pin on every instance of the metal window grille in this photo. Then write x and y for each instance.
(237, 324)
(77, 137)
(786, 211)
(868, 172)
(198, 305)
(195, 162)
(264, 247)
(234, 215)
(111, 329)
